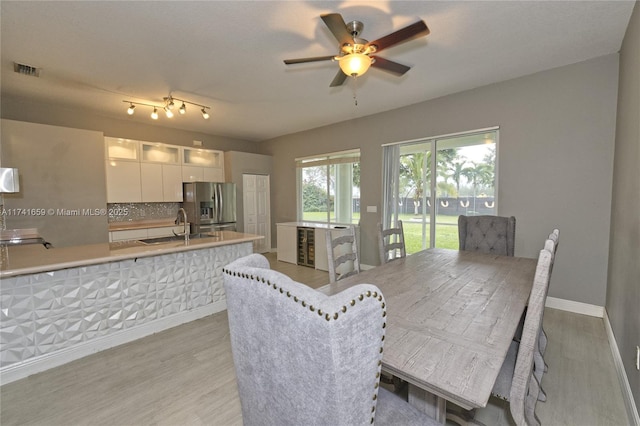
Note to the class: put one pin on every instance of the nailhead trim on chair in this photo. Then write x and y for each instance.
(328, 317)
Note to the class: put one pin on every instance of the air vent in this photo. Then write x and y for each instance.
(26, 69)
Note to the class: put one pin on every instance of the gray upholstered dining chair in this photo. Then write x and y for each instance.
(304, 358)
(487, 234)
(554, 239)
(391, 243)
(517, 382)
(540, 365)
(342, 253)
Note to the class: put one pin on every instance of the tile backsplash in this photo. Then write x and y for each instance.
(130, 212)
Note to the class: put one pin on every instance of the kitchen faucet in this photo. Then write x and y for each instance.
(185, 232)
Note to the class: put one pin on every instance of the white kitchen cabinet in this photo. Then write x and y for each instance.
(192, 173)
(161, 182)
(151, 182)
(172, 182)
(159, 153)
(165, 231)
(122, 149)
(287, 246)
(142, 233)
(123, 181)
(287, 240)
(127, 234)
(321, 259)
(213, 174)
(202, 165)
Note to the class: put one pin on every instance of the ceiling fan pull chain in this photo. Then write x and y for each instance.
(354, 88)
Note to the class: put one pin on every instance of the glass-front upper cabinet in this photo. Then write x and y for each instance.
(202, 157)
(160, 153)
(122, 149)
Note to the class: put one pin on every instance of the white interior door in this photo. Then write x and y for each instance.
(257, 216)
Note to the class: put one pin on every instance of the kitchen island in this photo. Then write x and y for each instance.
(65, 303)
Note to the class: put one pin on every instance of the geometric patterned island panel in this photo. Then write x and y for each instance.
(45, 312)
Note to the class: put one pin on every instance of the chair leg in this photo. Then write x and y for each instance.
(395, 383)
(463, 418)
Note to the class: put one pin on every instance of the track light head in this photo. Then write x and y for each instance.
(131, 109)
(154, 114)
(168, 112)
(183, 108)
(205, 114)
(170, 103)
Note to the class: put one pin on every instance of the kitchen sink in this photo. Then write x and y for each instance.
(175, 238)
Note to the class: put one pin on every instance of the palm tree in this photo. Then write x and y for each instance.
(412, 167)
(479, 174)
(457, 169)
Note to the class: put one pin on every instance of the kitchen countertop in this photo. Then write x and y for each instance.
(33, 258)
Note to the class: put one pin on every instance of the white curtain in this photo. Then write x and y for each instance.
(390, 184)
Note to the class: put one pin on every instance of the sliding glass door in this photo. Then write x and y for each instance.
(430, 182)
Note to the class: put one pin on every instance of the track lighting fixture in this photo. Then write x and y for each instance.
(169, 104)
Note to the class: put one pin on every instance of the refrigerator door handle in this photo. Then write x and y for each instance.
(221, 201)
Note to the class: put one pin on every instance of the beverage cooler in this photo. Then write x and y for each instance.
(306, 247)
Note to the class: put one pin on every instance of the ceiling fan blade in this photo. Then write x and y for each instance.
(419, 29)
(337, 26)
(304, 60)
(339, 79)
(389, 66)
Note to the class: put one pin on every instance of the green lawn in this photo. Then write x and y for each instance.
(446, 230)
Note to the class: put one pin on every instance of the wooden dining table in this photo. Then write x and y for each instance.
(451, 318)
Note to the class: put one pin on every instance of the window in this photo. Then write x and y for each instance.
(329, 188)
(428, 192)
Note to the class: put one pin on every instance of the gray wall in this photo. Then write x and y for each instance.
(557, 132)
(623, 290)
(38, 112)
(238, 163)
(60, 168)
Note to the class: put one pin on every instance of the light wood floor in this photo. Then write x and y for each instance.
(185, 376)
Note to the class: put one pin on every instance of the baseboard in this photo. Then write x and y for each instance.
(44, 362)
(575, 307)
(627, 395)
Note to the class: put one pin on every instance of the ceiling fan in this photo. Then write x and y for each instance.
(357, 54)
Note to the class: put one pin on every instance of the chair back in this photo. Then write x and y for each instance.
(302, 357)
(525, 387)
(391, 243)
(342, 253)
(487, 234)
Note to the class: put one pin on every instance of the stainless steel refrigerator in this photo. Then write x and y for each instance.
(210, 206)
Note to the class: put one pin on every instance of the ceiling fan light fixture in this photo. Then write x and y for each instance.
(355, 64)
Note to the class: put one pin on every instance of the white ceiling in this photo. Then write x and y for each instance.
(228, 55)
